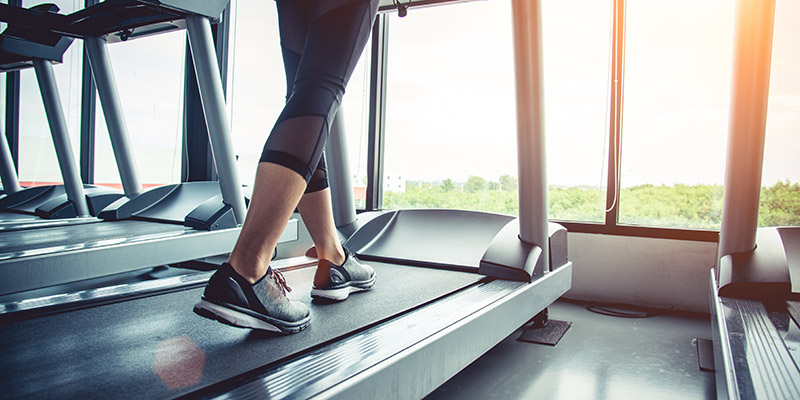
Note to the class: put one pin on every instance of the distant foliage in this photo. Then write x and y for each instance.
(682, 206)
(780, 205)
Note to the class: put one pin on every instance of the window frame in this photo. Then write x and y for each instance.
(611, 225)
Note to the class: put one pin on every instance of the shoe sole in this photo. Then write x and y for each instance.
(239, 319)
(342, 293)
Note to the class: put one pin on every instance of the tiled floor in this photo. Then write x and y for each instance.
(599, 357)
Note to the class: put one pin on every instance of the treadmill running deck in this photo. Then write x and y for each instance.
(157, 347)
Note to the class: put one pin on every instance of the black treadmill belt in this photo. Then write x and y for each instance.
(157, 347)
(18, 241)
(12, 217)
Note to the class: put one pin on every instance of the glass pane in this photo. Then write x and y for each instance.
(576, 56)
(451, 111)
(38, 164)
(450, 128)
(675, 120)
(780, 193)
(258, 89)
(149, 76)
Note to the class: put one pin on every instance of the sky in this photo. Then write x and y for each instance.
(451, 112)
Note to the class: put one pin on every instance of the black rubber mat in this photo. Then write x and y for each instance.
(157, 347)
(18, 241)
(705, 354)
(550, 334)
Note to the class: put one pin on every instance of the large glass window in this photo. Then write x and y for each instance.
(451, 111)
(149, 76)
(780, 193)
(257, 91)
(675, 118)
(37, 158)
(576, 54)
(450, 127)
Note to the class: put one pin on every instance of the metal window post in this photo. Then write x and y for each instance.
(377, 113)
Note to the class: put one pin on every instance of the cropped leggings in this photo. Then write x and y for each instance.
(321, 41)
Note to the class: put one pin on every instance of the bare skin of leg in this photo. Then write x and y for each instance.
(317, 213)
(276, 192)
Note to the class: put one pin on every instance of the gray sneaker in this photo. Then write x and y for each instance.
(352, 276)
(232, 300)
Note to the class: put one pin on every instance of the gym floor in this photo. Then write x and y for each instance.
(599, 357)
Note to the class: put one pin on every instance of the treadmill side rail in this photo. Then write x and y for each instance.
(426, 347)
(751, 358)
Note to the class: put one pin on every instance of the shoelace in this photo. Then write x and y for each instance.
(281, 281)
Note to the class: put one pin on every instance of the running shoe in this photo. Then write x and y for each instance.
(232, 300)
(352, 276)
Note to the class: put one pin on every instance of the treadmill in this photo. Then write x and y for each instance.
(20, 48)
(163, 225)
(451, 285)
(754, 289)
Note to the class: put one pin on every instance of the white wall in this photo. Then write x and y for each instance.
(658, 273)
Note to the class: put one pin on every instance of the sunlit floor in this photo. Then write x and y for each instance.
(599, 357)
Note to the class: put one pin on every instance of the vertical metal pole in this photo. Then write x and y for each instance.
(12, 115)
(616, 76)
(377, 112)
(58, 128)
(213, 99)
(747, 124)
(88, 115)
(12, 107)
(112, 109)
(7, 171)
(530, 125)
(344, 209)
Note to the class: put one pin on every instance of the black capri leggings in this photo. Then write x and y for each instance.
(321, 41)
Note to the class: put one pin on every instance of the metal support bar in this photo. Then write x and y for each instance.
(58, 128)
(344, 209)
(616, 92)
(112, 109)
(88, 106)
(7, 171)
(377, 113)
(530, 124)
(213, 99)
(12, 115)
(88, 115)
(747, 124)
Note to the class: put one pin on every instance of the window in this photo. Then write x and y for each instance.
(576, 36)
(149, 76)
(38, 164)
(451, 110)
(675, 113)
(780, 193)
(450, 130)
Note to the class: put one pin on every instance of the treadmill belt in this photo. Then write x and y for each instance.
(157, 347)
(12, 217)
(19, 241)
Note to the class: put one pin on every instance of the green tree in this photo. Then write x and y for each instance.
(447, 185)
(475, 184)
(508, 183)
